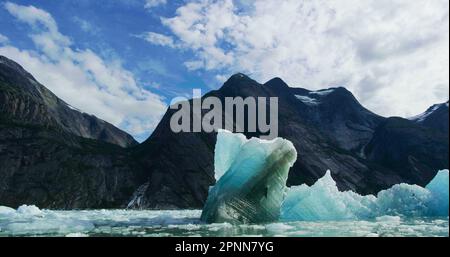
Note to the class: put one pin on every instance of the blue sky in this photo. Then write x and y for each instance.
(110, 28)
(124, 61)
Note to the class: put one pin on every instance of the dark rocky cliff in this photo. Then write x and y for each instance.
(56, 157)
(436, 117)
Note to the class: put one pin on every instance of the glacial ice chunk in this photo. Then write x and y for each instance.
(226, 151)
(29, 219)
(439, 190)
(323, 201)
(251, 177)
(30, 210)
(6, 211)
(403, 199)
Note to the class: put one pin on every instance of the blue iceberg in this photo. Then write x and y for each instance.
(323, 201)
(251, 179)
(439, 194)
(251, 175)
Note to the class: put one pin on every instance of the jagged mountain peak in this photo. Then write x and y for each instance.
(6, 62)
(239, 78)
(276, 83)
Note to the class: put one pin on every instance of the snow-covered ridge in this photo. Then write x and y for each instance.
(421, 117)
(323, 92)
(313, 97)
(308, 100)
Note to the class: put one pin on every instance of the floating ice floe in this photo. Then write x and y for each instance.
(251, 179)
(29, 210)
(323, 201)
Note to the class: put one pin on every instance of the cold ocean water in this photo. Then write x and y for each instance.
(31, 221)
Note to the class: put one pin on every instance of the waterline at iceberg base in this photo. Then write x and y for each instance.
(250, 199)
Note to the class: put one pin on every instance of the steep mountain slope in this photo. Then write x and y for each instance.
(436, 117)
(24, 100)
(56, 157)
(338, 114)
(413, 151)
(55, 169)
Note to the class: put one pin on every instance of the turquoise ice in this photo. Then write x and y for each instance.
(323, 201)
(251, 176)
(251, 179)
(439, 191)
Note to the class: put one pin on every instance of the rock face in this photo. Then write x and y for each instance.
(55, 169)
(413, 151)
(56, 157)
(436, 117)
(24, 100)
(338, 114)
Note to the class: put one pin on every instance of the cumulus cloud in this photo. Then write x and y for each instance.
(85, 25)
(96, 85)
(3, 38)
(392, 54)
(154, 3)
(158, 39)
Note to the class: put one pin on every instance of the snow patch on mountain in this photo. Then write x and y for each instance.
(322, 92)
(421, 117)
(307, 100)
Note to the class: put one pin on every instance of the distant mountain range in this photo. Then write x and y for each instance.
(54, 156)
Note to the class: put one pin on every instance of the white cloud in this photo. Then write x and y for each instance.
(158, 39)
(154, 3)
(85, 25)
(392, 54)
(82, 78)
(3, 38)
(221, 78)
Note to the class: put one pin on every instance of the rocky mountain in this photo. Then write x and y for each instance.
(436, 117)
(56, 157)
(24, 100)
(338, 114)
(51, 168)
(411, 150)
(329, 129)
